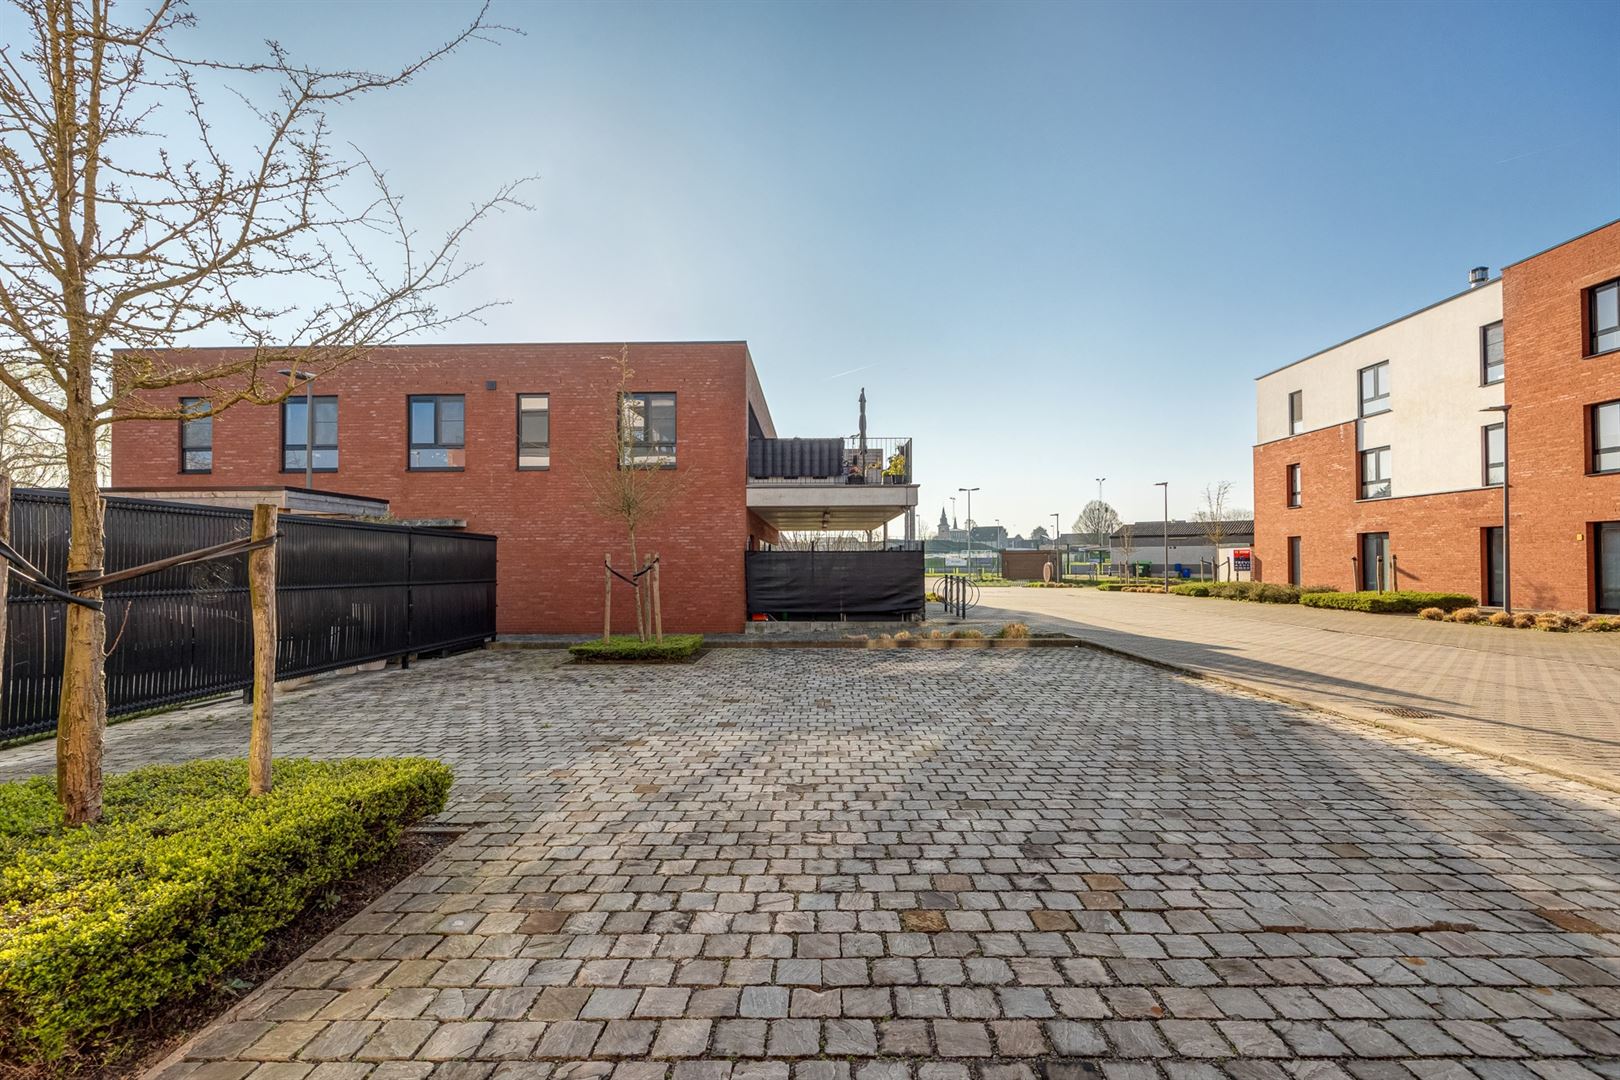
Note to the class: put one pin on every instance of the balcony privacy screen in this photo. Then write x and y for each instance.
(792, 459)
(835, 584)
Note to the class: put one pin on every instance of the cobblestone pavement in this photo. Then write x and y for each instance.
(996, 865)
(1552, 700)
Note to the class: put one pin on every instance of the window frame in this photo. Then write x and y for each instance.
(186, 403)
(1295, 486)
(1361, 473)
(411, 445)
(1361, 394)
(1485, 454)
(1591, 309)
(299, 399)
(1296, 421)
(661, 461)
(1484, 355)
(1296, 561)
(521, 446)
(1593, 447)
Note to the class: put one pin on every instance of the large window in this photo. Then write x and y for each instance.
(534, 431)
(1494, 441)
(1606, 437)
(295, 431)
(1377, 567)
(438, 431)
(1293, 485)
(1375, 473)
(1603, 316)
(1607, 535)
(197, 435)
(1490, 354)
(1374, 389)
(1296, 412)
(1296, 571)
(649, 429)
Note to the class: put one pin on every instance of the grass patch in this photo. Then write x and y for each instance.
(1388, 603)
(185, 877)
(625, 648)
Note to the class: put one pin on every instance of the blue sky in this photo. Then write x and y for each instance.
(1057, 240)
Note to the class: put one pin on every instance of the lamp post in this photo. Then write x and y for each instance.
(969, 492)
(1100, 480)
(1057, 560)
(309, 421)
(1166, 485)
(1507, 578)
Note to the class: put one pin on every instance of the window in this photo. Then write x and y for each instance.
(1375, 473)
(1377, 564)
(1490, 354)
(1293, 485)
(1603, 316)
(1607, 535)
(1495, 442)
(1375, 389)
(1296, 412)
(295, 429)
(534, 431)
(649, 426)
(1606, 437)
(438, 431)
(197, 435)
(1296, 573)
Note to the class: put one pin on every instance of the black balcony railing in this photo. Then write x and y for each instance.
(830, 461)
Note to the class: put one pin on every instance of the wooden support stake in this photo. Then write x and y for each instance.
(658, 600)
(262, 594)
(607, 598)
(5, 570)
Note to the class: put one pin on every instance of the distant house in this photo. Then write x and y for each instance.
(1189, 547)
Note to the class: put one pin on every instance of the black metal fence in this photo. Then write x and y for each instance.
(835, 584)
(346, 593)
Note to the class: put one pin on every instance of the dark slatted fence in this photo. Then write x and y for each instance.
(347, 593)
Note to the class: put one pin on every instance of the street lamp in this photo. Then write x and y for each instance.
(309, 421)
(1100, 480)
(1057, 560)
(1507, 579)
(970, 492)
(1166, 485)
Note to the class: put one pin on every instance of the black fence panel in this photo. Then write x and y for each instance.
(347, 593)
(835, 584)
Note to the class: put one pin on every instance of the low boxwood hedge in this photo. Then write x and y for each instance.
(185, 877)
(674, 648)
(1388, 603)
(1264, 592)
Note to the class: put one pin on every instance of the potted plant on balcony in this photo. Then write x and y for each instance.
(895, 471)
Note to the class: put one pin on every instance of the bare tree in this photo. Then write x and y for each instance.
(1127, 544)
(1097, 519)
(632, 478)
(826, 541)
(127, 227)
(1217, 518)
(31, 450)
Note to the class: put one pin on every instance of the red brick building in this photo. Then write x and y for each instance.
(1379, 462)
(500, 438)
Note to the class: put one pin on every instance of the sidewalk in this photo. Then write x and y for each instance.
(1547, 700)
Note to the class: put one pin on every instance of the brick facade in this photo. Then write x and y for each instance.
(551, 542)
(1551, 384)
(1437, 540)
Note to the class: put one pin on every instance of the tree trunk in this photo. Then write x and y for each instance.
(607, 598)
(82, 718)
(635, 585)
(658, 601)
(262, 594)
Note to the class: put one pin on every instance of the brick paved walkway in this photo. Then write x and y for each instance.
(1552, 700)
(835, 865)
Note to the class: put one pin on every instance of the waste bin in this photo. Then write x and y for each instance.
(1143, 569)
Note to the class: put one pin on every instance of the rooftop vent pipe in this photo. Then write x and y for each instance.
(1478, 276)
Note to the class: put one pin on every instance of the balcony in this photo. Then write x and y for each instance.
(850, 484)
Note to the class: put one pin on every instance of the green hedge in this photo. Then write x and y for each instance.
(1388, 603)
(185, 877)
(1263, 592)
(674, 647)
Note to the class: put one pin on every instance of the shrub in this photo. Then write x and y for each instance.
(1192, 588)
(1433, 613)
(627, 649)
(1387, 603)
(932, 597)
(1013, 630)
(1303, 589)
(1500, 618)
(185, 876)
(1556, 622)
(1468, 615)
(963, 635)
(1598, 624)
(1524, 620)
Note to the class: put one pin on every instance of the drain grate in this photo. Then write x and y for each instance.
(1405, 712)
